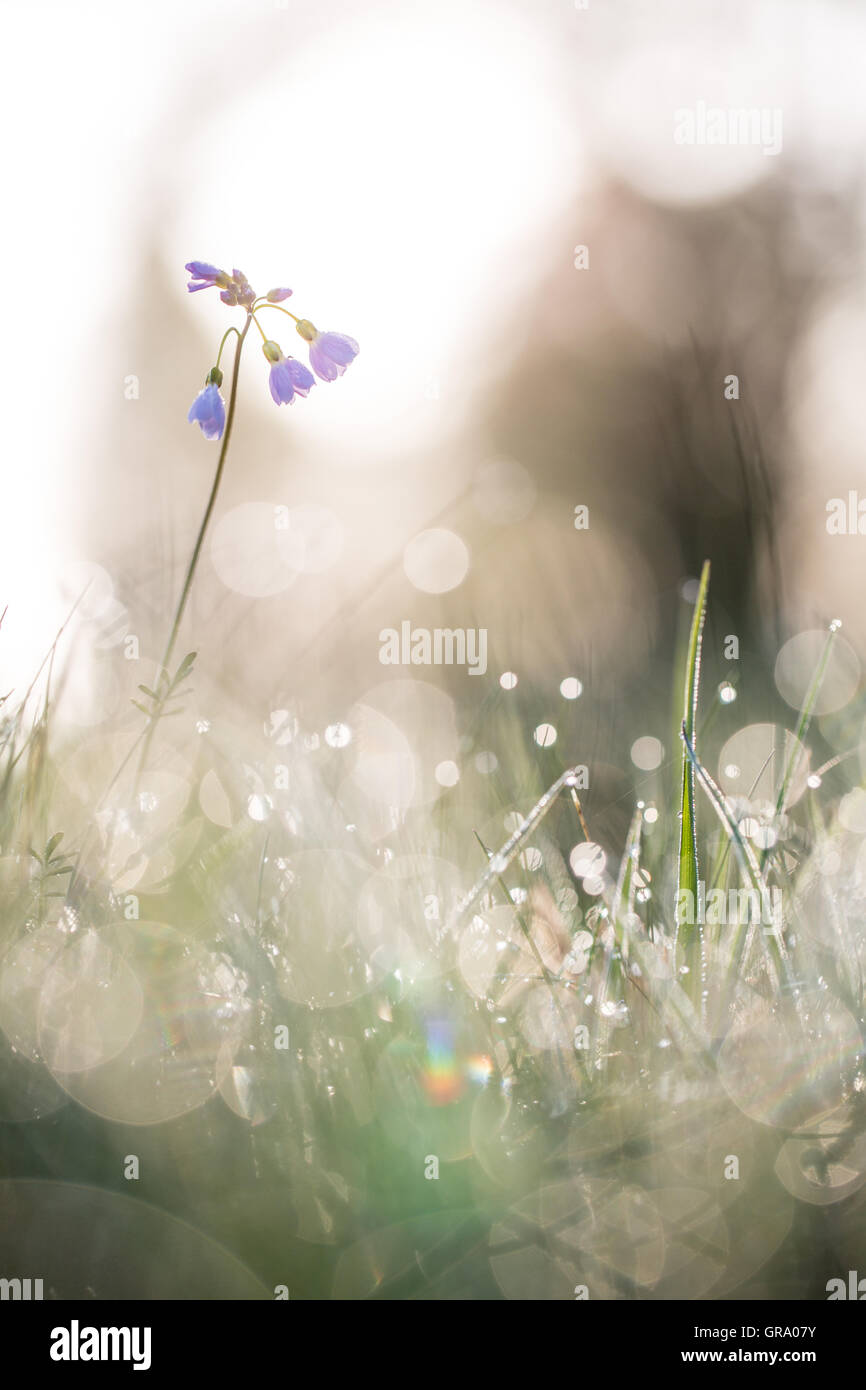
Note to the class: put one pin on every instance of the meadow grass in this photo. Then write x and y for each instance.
(492, 988)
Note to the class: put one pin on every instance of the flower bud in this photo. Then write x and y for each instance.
(274, 296)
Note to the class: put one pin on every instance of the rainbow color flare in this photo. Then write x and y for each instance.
(445, 1077)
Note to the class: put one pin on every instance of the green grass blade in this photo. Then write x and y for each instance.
(743, 850)
(688, 861)
(777, 951)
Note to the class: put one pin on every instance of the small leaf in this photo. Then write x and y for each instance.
(52, 845)
(184, 668)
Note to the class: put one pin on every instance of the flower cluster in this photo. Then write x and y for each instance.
(330, 353)
(234, 288)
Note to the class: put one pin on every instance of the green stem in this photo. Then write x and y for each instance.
(193, 564)
(223, 343)
(268, 305)
(194, 558)
(689, 875)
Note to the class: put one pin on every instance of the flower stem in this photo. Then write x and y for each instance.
(193, 564)
(269, 305)
(194, 558)
(223, 343)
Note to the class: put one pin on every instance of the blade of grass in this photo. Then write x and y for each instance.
(509, 851)
(546, 975)
(688, 856)
(751, 871)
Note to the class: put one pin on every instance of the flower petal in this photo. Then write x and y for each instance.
(201, 270)
(300, 376)
(280, 382)
(339, 347)
(322, 364)
(208, 411)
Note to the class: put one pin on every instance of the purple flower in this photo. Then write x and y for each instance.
(209, 411)
(204, 276)
(239, 290)
(330, 353)
(203, 270)
(234, 288)
(288, 376)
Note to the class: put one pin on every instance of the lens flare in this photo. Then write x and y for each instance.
(446, 1075)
